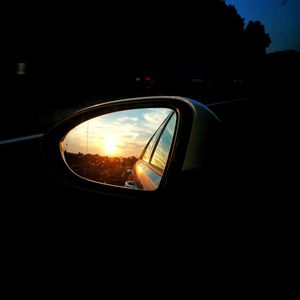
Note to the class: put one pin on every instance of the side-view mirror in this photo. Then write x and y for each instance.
(136, 148)
(128, 148)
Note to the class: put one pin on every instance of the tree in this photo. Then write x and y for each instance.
(256, 39)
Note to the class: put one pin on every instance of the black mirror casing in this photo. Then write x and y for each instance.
(194, 143)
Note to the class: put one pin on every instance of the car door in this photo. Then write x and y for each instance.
(149, 169)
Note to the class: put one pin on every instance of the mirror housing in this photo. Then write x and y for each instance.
(195, 145)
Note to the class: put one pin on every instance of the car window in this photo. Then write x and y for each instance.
(151, 145)
(162, 150)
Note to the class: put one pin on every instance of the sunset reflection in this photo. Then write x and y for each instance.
(123, 133)
(110, 146)
(104, 148)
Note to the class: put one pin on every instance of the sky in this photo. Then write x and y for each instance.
(280, 17)
(123, 133)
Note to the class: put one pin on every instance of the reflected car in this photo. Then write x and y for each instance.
(148, 170)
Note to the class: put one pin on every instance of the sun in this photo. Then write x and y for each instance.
(110, 146)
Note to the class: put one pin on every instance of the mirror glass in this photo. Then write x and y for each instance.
(127, 148)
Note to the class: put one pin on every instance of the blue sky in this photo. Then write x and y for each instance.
(280, 17)
(123, 133)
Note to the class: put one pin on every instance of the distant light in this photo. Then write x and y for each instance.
(21, 69)
(137, 78)
(148, 78)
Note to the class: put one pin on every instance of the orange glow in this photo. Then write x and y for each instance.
(139, 169)
(110, 146)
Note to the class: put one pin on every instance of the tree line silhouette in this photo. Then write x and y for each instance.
(104, 169)
(73, 55)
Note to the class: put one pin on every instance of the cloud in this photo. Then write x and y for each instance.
(131, 129)
(155, 119)
(123, 119)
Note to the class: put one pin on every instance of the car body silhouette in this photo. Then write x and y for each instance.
(148, 170)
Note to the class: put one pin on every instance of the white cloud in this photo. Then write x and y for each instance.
(123, 119)
(132, 132)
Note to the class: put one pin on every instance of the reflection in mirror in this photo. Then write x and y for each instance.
(126, 148)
